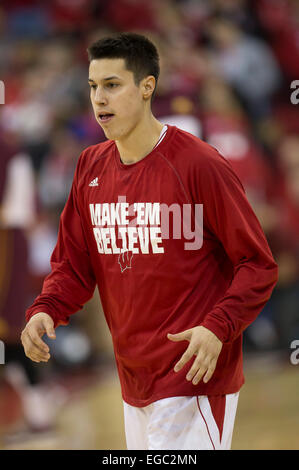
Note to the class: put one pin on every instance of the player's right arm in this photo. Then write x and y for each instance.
(69, 285)
(35, 348)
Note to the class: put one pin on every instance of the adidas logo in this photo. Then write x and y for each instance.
(94, 182)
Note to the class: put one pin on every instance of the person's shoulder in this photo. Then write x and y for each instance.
(92, 156)
(95, 152)
(189, 150)
(198, 163)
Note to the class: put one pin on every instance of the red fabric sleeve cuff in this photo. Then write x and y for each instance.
(214, 322)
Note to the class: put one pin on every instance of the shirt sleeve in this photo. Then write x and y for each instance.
(229, 216)
(71, 282)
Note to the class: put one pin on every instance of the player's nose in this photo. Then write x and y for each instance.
(100, 97)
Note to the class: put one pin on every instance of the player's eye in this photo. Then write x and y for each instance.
(112, 85)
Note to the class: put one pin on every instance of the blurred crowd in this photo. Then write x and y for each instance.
(226, 72)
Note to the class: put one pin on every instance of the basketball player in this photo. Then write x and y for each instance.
(176, 304)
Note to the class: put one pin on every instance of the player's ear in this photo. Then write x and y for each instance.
(148, 86)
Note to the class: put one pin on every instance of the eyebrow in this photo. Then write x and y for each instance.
(106, 79)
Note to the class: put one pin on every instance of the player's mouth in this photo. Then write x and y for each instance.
(105, 117)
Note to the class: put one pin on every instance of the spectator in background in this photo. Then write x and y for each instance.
(28, 118)
(245, 62)
(16, 215)
(126, 15)
(227, 127)
(280, 21)
(183, 69)
(26, 18)
(72, 16)
(58, 168)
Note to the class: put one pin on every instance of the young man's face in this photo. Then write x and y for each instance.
(113, 92)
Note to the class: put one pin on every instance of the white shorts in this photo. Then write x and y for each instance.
(182, 423)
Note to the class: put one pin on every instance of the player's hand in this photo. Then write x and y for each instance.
(205, 346)
(36, 349)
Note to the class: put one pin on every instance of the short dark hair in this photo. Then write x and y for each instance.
(140, 54)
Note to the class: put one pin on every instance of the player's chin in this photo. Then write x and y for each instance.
(106, 129)
(111, 133)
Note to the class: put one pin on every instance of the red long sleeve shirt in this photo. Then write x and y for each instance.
(153, 278)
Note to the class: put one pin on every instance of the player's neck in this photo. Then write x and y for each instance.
(140, 141)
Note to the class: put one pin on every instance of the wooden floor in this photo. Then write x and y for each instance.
(267, 417)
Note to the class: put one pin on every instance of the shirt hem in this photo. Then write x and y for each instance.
(141, 403)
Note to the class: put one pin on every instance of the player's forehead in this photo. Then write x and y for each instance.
(101, 69)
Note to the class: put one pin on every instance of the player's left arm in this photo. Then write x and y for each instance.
(229, 216)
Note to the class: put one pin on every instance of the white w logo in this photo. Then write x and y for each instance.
(125, 260)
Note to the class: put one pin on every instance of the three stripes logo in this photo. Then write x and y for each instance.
(94, 182)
